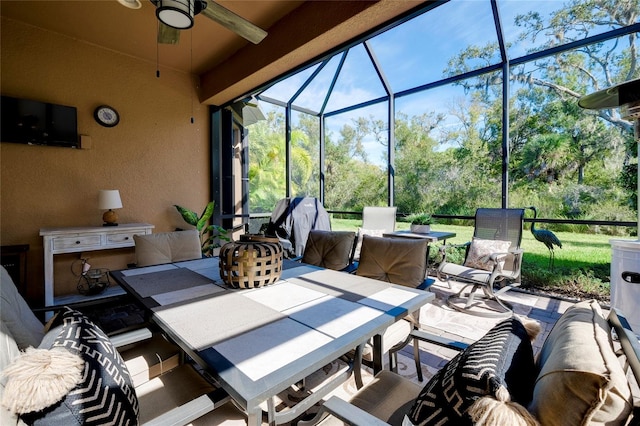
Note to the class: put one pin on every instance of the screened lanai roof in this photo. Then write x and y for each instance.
(416, 53)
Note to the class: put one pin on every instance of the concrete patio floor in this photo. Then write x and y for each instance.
(440, 319)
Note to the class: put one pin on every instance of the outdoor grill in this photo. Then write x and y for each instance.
(625, 257)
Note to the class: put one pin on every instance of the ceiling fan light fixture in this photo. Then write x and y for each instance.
(176, 13)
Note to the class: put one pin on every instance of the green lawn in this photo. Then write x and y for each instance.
(582, 265)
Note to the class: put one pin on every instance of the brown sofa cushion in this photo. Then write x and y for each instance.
(329, 249)
(167, 247)
(396, 260)
(580, 381)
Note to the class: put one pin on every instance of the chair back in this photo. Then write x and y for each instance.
(329, 249)
(500, 224)
(382, 218)
(167, 247)
(396, 260)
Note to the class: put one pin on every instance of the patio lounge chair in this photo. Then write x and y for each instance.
(493, 258)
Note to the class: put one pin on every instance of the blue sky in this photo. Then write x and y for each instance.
(415, 53)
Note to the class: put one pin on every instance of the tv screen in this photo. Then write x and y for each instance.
(38, 123)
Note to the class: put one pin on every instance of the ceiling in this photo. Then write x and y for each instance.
(228, 65)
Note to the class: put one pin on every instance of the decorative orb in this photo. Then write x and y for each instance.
(252, 262)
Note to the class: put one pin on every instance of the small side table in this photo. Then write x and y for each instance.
(79, 239)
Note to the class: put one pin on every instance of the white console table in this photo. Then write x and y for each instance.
(79, 239)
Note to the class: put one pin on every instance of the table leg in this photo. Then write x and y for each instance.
(254, 417)
(377, 354)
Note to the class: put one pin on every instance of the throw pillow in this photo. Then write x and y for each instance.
(500, 366)
(105, 393)
(481, 250)
(38, 378)
(581, 380)
(361, 233)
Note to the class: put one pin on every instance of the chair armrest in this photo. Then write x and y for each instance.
(129, 337)
(187, 413)
(444, 341)
(349, 414)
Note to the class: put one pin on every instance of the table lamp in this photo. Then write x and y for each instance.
(109, 199)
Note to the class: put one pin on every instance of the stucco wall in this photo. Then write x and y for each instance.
(155, 156)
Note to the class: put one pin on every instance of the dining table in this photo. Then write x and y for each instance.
(257, 342)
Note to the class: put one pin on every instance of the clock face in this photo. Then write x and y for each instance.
(106, 116)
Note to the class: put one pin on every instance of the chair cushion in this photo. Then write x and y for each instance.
(396, 260)
(480, 250)
(361, 233)
(16, 315)
(388, 397)
(499, 365)
(580, 380)
(329, 249)
(105, 392)
(167, 247)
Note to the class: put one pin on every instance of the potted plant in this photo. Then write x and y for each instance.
(421, 223)
(210, 235)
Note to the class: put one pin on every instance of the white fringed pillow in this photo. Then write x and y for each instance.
(39, 378)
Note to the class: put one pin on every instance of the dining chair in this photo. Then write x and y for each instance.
(398, 261)
(376, 221)
(330, 249)
(492, 258)
(167, 247)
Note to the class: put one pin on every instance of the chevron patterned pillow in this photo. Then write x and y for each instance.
(105, 395)
(499, 365)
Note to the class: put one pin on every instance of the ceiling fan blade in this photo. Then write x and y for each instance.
(233, 22)
(167, 34)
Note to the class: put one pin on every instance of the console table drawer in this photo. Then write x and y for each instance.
(120, 239)
(61, 243)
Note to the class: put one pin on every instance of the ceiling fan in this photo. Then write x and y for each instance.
(176, 15)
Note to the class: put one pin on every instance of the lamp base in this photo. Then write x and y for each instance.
(110, 218)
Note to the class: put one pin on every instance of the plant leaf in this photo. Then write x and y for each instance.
(189, 216)
(206, 215)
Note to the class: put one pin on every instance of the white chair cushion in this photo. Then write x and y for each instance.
(25, 328)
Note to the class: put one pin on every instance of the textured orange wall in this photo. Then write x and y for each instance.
(155, 156)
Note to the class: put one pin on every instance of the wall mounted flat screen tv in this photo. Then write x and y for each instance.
(38, 123)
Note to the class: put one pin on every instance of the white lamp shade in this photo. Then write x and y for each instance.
(109, 199)
(176, 13)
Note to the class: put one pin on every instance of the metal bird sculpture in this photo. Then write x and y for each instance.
(546, 237)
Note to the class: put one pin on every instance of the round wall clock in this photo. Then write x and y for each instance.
(106, 116)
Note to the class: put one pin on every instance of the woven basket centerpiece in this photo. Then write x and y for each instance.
(252, 262)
